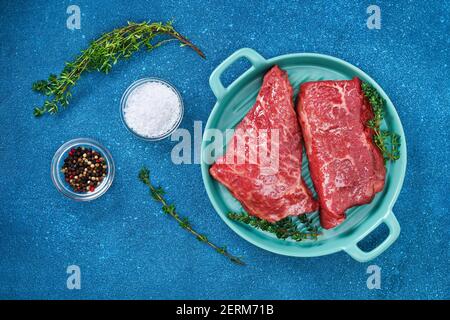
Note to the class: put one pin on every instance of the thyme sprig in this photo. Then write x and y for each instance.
(157, 193)
(101, 55)
(283, 229)
(387, 141)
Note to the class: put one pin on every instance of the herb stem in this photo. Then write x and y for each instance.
(387, 141)
(101, 55)
(158, 195)
(283, 229)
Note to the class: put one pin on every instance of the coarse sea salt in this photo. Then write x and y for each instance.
(152, 109)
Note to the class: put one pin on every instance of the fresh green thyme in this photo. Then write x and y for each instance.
(157, 193)
(101, 55)
(387, 141)
(283, 229)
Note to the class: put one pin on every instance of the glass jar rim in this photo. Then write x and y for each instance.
(131, 88)
(59, 157)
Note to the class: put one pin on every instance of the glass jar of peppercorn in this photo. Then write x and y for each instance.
(82, 169)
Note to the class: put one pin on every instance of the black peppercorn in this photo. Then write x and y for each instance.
(81, 168)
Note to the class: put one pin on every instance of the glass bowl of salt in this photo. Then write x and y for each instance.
(151, 109)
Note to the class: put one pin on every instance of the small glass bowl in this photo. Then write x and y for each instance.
(123, 103)
(58, 176)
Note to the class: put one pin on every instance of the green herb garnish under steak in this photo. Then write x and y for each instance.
(283, 229)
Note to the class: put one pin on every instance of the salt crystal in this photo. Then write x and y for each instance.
(152, 109)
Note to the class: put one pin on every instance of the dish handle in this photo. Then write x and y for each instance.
(251, 55)
(394, 230)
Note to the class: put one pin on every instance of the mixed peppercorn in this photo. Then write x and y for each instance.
(84, 169)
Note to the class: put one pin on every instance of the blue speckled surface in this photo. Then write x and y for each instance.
(123, 244)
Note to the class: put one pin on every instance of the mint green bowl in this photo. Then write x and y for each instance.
(236, 100)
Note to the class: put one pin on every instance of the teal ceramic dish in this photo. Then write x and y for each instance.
(234, 101)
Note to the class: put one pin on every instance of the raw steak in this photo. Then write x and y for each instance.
(346, 167)
(268, 194)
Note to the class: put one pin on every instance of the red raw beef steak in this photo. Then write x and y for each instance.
(346, 166)
(267, 194)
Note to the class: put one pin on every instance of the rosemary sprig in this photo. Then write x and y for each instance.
(157, 193)
(387, 141)
(283, 229)
(101, 55)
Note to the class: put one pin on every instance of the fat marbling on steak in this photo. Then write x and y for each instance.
(346, 167)
(268, 194)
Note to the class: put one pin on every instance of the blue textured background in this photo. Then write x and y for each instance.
(123, 244)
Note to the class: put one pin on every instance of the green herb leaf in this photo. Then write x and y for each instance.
(283, 229)
(101, 55)
(158, 193)
(388, 142)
